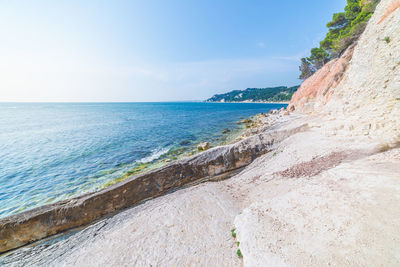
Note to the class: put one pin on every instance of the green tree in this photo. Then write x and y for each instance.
(306, 69)
(318, 57)
(352, 9)
(339, 20)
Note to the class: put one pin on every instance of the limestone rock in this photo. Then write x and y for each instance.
(203, 146)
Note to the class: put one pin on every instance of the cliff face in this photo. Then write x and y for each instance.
(317, 90)
(359, 93)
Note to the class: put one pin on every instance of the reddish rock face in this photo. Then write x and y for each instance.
(392, 7)
(318, 89)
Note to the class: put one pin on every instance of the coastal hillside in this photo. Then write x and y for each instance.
(271, 94)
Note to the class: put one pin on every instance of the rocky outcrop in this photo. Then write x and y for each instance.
(217, 163)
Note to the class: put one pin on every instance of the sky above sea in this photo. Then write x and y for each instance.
(156, 50)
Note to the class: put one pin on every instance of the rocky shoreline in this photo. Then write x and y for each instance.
(216, 163)
(290, 186)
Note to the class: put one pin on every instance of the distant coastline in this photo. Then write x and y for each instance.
(271, 95)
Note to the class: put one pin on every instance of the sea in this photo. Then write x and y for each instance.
(54, 151)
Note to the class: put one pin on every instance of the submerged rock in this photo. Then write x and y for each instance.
(185, 143)
(226, 131)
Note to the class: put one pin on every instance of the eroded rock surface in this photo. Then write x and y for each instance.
(347, 216)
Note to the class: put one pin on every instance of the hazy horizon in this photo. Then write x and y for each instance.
(153, 51)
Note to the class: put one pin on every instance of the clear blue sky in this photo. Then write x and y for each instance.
(149, 50)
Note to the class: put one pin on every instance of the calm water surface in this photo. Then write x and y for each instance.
(53, 151)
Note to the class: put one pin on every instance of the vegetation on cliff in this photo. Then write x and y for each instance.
(272, 94)
(344, 29)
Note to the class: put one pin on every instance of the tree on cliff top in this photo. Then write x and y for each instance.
(310, 65)
(344, 29)
(306, 69)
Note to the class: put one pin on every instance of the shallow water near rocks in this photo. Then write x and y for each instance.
(54, 151)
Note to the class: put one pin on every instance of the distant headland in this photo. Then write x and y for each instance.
(256, 95)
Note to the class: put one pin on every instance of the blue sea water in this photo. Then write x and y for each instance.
(54, 151)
